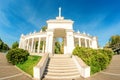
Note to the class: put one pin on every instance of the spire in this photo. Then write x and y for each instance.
(59, 16)
(59, 11)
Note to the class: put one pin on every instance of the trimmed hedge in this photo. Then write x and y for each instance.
(17, 56)
(97, 59)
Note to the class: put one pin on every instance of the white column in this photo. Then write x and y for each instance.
(94, 43)
(32, 44)
(70, 42)
(65, 46)
(28, 45)
(24, 44)
(38, 48)
(89, 43)
(79, 42)
(49, 42)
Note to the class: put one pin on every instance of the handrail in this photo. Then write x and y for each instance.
(83, 68)
(81, 62)
(40, 67)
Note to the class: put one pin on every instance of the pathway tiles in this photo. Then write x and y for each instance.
(20, 77)
(10, 72)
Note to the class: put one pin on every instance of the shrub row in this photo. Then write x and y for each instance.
(17, 55)
(96, 59)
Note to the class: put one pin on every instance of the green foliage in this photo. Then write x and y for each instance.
(114, 44)
(96, 59)
(57, 47)
(114, 40)
(17, 55)
(44, 28)
(28, 65)
(41, 45)
(1, 44)
(15, 45)
(3, 47)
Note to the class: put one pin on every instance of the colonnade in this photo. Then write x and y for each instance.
(33, 45)
(83, 42)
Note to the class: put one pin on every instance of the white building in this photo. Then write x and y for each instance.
(57, 28)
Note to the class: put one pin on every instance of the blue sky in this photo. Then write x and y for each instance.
(99, 18)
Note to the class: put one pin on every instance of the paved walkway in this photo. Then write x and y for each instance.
(10, 72)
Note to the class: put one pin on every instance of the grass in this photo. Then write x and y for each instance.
(28, 65)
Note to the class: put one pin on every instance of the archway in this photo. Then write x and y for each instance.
(59, 46)
(58, 43)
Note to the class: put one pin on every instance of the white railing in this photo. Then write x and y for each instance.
(38, 70)
(83, 68)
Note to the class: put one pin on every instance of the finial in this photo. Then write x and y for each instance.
(78, 31)
(34, 31)
(59, 11)
(84, 33)
(41, 30)
(22, 34)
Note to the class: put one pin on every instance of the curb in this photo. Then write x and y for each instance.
(23, 72)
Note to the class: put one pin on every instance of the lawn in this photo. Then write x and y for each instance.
(28, 65)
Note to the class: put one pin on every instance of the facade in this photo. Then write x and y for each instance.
(57, 28)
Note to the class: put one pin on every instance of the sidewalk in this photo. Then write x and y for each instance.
(10, 72)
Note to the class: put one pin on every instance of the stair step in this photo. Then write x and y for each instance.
(60, 57)
(62, 60)
(61, 68)
(59, 65)
(62, 77)
(62, 74)
(61, 71)
(66, 56)
(65, 63)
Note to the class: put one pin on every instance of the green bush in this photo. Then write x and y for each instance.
(96, 59)
(15, 45)
(17, 55)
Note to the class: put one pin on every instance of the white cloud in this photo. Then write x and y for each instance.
(4, 20)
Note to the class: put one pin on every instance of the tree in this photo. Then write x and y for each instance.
(114, 40)
(1, 44)
(3, 47)
(114, 44)
(15, 45)
(57, 47)
(44, 28)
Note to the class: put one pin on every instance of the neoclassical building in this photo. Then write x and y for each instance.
(57, 28)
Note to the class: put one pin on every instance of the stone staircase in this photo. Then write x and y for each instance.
(61, 67)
